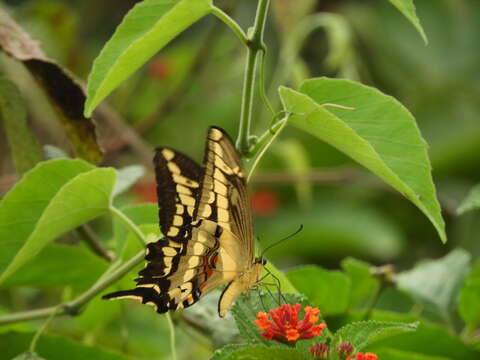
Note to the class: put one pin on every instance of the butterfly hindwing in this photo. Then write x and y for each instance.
(176, 274)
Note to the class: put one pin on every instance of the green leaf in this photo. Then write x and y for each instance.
(361, 333)
(146, 29)
(378, 133)
(249, 304)
(437, 282)
(52, 348)
(127, 177)
(364, 286)
(24, 204)
(142, 214)
(24, 148)
(469, 300)
(329, 290)
(430, 339)
(407, 8)
(256, 352)
(83, 198)
(394, 354)
(49, 268)
(472, 201)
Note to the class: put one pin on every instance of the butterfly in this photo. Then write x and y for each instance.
(208, 238)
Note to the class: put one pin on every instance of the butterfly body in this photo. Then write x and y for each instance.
(206, 219)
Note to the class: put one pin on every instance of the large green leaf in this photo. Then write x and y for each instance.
(24, 148)
(22, 206)
(329, 290)
(51, 348)
(407, 8)
(378, 132)
(469, 300)
(437, 282)
(83, 198)
(146, 29)
(49, 268)
(472, 201)
(256, 352)
(361, 333)
(364, 285)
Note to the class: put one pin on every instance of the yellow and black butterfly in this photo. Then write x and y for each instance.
(207, 225)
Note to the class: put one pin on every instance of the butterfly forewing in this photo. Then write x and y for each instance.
(223, 194)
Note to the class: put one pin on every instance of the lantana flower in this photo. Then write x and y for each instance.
(281, 324)
(364, 356)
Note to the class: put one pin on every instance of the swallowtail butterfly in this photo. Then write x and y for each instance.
(207, 225)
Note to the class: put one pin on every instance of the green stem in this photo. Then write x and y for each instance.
(172, 336)
(128, 223)
(73, 307)
(40, 331)
(255, 44)
(262, 87)
(232, 24)
(264, 142)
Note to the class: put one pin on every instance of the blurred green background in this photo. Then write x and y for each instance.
(197, 81)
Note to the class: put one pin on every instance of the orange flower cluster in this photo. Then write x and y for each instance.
(364, 356)
(281, 324)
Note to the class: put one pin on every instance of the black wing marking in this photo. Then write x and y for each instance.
(178, 179)
(177, 274)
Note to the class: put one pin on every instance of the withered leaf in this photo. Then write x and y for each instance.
(65, 93)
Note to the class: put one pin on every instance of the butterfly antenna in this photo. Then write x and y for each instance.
(281, 240)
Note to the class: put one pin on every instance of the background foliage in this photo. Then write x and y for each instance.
(195, 82)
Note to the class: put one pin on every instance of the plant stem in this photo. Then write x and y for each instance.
(40, 331)
(128, 223)
(254, 44)
(232, 24)
(73, 307)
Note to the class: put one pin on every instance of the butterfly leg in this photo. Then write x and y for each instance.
(261, 298)
(278, 286)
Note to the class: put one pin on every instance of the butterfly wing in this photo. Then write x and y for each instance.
(189, 261)
(178, 186)
(223, 195)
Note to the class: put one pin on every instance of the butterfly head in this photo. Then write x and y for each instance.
(261, 261)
